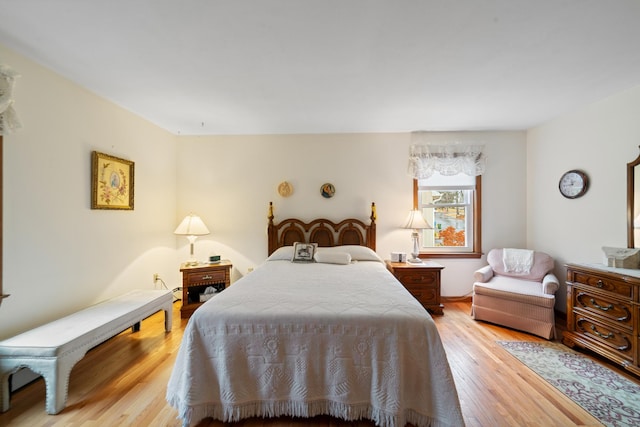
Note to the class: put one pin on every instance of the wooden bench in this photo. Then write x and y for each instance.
(52, 350)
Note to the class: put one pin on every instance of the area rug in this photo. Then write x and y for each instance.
(611, 398)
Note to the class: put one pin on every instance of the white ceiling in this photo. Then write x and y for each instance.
(324, 66)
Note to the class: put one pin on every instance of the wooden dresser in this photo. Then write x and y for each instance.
(422, 281)
(602, 312)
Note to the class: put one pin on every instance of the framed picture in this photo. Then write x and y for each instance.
(112, 181)
(303, 252)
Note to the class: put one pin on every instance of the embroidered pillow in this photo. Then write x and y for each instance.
(303, 252)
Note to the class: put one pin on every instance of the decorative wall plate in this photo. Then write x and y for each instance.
(327, 190)
(285, 189)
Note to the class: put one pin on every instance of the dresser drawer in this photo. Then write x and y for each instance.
(198, 278)
(612, 339)
(615, 310)
(417, 277)
(602, 282)
(424, 294)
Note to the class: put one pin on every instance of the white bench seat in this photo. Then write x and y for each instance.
(52, 350)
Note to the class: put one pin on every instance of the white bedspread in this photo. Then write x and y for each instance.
(310, 339)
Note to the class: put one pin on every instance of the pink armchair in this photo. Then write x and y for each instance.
(520, 297)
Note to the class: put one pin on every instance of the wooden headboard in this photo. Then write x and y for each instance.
(322, 231)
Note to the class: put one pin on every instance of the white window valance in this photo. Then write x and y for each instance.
(8, 117)
(446, 158)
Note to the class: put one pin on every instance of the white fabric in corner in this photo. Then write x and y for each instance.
(517, 261)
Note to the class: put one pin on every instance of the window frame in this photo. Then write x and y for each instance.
(477, 226)
(2, 296)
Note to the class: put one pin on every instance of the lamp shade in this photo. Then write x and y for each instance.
(192, 225)
(416, 221)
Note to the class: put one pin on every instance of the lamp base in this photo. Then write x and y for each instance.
(416, 249)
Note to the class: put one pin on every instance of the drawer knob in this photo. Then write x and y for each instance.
(207, 277)
(600, 334)
(596, 305)
(600, 284)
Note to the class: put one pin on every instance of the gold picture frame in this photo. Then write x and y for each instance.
(112, 180)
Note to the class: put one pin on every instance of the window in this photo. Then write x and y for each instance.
(451, 204)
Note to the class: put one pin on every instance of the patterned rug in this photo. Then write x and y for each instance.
(608, 396)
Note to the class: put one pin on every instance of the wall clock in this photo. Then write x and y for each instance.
(573, 184)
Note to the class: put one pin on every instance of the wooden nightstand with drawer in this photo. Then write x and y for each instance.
(195, 279)
(422, 281)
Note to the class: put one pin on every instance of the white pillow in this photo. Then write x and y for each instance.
(332, 257)
(358, 253)
(283, 253)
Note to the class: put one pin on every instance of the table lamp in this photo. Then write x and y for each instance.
(192, 227)
(416, 222)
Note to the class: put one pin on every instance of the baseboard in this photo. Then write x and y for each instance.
(464, 298)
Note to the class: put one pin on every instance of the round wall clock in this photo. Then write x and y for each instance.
(573, 184)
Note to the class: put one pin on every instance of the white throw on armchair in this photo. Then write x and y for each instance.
(517, 290)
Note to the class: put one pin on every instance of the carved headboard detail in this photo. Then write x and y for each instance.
(322, 231)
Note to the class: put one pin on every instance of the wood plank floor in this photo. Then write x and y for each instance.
(123, 381)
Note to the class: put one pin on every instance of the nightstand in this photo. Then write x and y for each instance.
(195, 279)
(422, 281)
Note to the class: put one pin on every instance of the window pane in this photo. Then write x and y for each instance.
(450, 226)
(451, 198)
(448, 213)
(449, 204)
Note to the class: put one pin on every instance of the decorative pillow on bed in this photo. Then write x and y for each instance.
(358, 253)
(332, 257)
(303, 252)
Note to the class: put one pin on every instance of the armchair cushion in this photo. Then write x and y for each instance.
(542, 264)
(508, 290)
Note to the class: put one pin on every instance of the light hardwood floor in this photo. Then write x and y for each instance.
(123, 381)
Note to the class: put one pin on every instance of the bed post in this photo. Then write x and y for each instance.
(272, 233)
(371, 231)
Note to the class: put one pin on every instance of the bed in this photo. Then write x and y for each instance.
(339, 336)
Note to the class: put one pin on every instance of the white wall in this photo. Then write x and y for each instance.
(59, 255)
(229, 181)
(600, 139)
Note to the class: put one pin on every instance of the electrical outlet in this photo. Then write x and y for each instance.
(156, 276)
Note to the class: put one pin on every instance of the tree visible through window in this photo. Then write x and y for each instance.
(451, 204)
